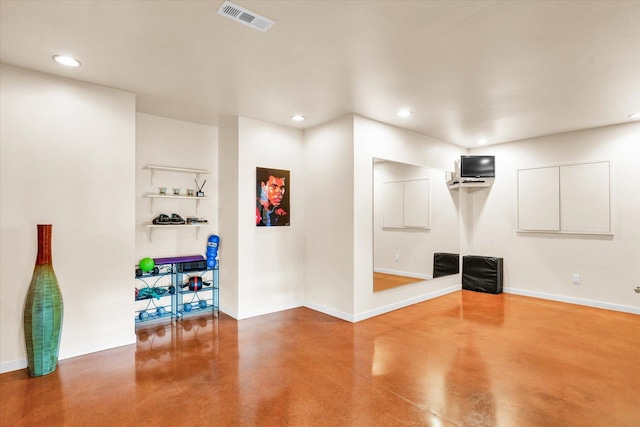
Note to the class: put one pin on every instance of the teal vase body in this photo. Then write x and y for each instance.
(43, 311)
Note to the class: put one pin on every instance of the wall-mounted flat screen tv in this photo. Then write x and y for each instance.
(477, 166)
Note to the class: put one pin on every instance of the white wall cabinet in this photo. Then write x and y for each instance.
(539, 199)
(405, 204)
(416, 203)
(392, 206)
(585, 198)
(570, 198)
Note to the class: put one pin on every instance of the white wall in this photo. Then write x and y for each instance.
(375, 139)
(167, 142)
(67, 158)
(328, 230)
(542, 265)
(228, 178)
(271, 261)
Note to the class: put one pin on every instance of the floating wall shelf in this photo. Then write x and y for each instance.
(156, 168)
(456, 183)
(152, 227)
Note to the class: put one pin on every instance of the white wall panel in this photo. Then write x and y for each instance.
(416, 204)
(539, 199)
(393, 204)
(585, 198)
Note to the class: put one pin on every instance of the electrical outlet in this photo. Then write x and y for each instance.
(576, 279)
(397, 258)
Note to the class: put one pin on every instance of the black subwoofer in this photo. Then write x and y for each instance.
(445, 264)
(482, 274)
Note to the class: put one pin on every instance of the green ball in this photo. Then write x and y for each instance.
(146, 264)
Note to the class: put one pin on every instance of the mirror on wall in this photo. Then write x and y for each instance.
(416, 234)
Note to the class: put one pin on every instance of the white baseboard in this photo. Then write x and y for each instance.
(14, 365)
(267, 310)
(381, 310)
(571, 300)
(406, 303)
(330, 311)
(403, 273)
(69, 353)
(228, 311)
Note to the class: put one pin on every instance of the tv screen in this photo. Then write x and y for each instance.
(477, 166)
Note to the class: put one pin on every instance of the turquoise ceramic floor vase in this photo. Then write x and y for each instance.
(43, 311)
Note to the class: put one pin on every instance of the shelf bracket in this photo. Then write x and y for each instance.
(153, 173)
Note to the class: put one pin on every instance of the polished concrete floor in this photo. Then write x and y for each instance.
(384, 281)
(464, 359)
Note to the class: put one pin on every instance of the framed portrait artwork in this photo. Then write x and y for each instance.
(272, 198)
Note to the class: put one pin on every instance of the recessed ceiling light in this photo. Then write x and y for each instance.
(483, 141)
(634, 116)
(297, 118)
(66, 60)
(404, 113)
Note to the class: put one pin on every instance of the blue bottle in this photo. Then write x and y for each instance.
(212, 250)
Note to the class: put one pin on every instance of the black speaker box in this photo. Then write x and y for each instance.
(482, 274)
(445, 264)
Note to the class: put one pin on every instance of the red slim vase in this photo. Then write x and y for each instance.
(43, 311)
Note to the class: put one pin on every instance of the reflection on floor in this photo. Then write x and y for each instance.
(382, 281)
(463, 359)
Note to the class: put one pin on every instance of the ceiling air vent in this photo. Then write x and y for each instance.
(244, 16)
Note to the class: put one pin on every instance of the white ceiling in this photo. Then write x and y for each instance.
(501, 70)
